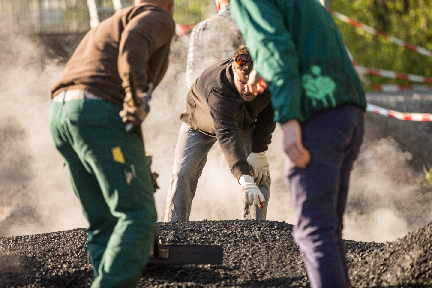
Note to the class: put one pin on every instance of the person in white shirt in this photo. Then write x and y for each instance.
(212, 40)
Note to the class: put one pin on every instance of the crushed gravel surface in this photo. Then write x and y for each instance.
(256, 254)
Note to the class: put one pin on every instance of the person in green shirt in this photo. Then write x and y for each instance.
(319, 101)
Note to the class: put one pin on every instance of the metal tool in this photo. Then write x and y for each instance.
(187, 254)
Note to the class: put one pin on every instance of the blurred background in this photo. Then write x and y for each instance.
(409, 20)
(391, 186)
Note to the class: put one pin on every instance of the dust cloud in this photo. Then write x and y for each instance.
(383, 193)
(35, 194)
(385, 200)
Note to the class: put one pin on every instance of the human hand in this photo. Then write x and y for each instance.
(259, 166)
(293, 144)
(251, 192)
(256, 84)
(134, 112)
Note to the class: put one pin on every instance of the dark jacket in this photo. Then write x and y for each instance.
(138, 38)
(215, 107)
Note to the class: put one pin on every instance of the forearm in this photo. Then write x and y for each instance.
(223, 111)
(232, 148)
(264, 128)
(275, 55)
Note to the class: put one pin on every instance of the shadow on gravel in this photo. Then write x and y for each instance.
(209, 275)
(13, 269)
(202, 274)
(410, 285)
(277, 282)
(24, 271)
(75, 279)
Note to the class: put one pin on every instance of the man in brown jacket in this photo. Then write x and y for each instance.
(107, 164)
(221, 108)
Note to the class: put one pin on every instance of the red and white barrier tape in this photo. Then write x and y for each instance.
(181, 29)
(399, 115)
(394, 75)
(373, 31)
(386, 73)
(397, 87)
(361, 75)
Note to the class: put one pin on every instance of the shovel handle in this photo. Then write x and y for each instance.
(156, 247)
(260, 204)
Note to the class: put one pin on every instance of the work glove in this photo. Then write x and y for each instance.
(259, 167)
(134, 112)
(251, 192)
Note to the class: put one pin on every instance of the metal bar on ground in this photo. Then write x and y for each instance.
(188, 254)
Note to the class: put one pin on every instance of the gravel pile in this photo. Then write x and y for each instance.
(256, 254)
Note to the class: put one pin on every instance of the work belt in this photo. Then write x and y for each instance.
(74, 94)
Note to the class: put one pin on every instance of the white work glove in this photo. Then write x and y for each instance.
(259, 166)
(252, 193)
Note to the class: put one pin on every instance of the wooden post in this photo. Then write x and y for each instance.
(326, 3)
(117, 5)
(212, 10)
(37, 25)
(94, 18)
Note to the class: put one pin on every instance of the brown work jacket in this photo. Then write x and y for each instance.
(137, 39)
(214, 107)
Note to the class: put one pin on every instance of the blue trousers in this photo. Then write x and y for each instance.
(190, 158)
(319, 192)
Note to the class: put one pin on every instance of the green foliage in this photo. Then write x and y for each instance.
(193, 11)
(71, 16)
(408, 20)
(428, 175)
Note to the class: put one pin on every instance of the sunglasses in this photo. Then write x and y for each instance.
(242, 59)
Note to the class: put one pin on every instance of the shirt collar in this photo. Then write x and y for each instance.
(225, 10)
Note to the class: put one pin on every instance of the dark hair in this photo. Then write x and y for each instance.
(245, 69)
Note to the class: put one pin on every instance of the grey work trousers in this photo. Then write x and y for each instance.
(190, 158)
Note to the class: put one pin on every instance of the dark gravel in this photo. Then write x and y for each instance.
(256, 254)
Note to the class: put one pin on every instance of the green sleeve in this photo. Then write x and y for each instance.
(263, 26)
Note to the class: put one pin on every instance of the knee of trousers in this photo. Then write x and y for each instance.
(265, 189)
(315, 235)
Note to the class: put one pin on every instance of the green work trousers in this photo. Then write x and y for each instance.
(110, 176)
